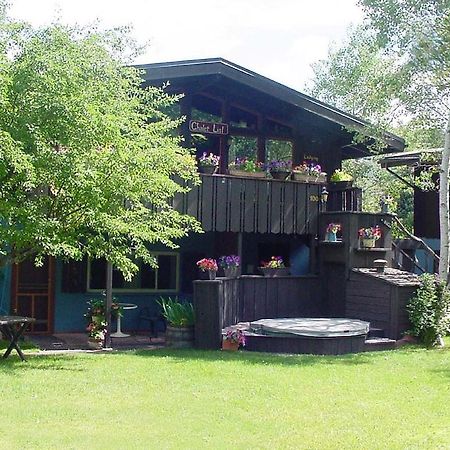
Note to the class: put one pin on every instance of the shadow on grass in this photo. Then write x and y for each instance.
(186, 355)
(14, 366)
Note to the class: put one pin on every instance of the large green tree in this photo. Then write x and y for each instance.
(87, 157)
(396, 69)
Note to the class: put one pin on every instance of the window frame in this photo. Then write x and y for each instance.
(146, 290)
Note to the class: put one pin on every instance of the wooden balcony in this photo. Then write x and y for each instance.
(252, 205)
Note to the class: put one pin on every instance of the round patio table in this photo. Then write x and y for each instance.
(118, 333)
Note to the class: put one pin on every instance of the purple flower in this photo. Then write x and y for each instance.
(280, 165)
(229, 261)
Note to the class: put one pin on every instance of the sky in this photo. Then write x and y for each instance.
(279, 39)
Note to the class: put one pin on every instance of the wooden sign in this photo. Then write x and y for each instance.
(197, 126)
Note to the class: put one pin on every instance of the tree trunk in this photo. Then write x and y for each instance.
(444, 207)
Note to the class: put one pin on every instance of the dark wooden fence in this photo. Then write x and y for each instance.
(229, 203)
(226, 301)
(348, 199)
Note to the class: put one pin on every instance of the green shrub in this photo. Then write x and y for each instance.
(178, 314)
(429, 310)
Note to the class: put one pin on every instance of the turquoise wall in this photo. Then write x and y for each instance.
(5, 290)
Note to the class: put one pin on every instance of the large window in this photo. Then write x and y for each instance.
(276, 149)
(162, 279)
(242, 147)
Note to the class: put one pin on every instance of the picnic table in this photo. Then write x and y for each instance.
(12, 328)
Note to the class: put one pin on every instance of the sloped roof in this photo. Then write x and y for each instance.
(167, 71)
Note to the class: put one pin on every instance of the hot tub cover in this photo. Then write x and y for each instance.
(311, 327)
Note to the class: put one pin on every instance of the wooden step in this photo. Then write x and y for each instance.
(379, 344)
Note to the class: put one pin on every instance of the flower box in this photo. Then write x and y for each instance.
(244, 173)
(270, 272)
(301, 176)
(279, 175)
(209, 170)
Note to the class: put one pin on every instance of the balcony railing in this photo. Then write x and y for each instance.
(229, 203)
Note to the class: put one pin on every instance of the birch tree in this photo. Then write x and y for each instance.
(402, 54)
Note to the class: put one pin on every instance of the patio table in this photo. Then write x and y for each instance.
(12, 328)
(118, 333)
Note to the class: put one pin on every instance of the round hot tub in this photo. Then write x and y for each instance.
(334, 336)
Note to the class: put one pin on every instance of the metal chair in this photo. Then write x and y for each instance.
(146, 315)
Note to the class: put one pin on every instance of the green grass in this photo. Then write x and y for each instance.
(192, 399)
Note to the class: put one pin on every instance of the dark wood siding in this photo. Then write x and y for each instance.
(226, 301)
(380, 302)
(225, 203)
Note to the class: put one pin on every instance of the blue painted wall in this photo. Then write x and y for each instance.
(5, 290)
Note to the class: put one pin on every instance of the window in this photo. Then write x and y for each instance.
(164, 278)
(276, 149)
(243, 147)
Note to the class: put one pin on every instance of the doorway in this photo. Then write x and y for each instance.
(32, 293)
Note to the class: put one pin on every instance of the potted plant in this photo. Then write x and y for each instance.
(340, 180)
(233, 339)
(96, 319)
(209, 266)
(307, 173)
(274, 267)
(208, 163)
(230, 265)
(368, 236)
(244, 167)
(331, 232)
(180, 322)
(279, 169)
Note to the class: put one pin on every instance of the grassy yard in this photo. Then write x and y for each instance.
(193, 399)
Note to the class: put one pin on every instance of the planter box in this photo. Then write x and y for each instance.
(279, 175)
(300, 176)
(339, 185)
(243, 173)
(271, 273)
(209, 170)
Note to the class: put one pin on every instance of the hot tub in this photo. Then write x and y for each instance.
(333, 336)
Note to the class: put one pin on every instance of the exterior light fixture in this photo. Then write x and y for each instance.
(324, 195)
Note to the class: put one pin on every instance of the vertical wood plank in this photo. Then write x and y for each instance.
(221, 210)
(207, 201)
(235, 208)
(250, 206)
(276, 207)
(263, 206)
(288, 223)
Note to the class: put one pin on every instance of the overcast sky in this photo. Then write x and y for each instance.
(276, 38)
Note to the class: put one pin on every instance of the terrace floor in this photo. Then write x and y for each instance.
(78, 341)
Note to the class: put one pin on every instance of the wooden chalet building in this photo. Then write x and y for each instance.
(232, 112)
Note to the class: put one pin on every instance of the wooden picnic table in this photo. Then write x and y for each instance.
(12, 328)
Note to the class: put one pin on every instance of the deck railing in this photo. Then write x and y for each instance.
(238, 204)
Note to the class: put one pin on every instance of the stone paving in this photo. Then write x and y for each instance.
(75, 342)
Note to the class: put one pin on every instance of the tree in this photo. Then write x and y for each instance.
(408, 44)
(88, 160)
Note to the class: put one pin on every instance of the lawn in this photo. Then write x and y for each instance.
(196, 399)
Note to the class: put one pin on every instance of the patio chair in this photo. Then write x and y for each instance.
(146, 315)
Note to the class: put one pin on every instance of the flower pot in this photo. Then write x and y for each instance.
(207, 169)
(279, 175)
(179, 337)
(231, 272)
(212, 274)
(368, 243)
(230, 345)
(271, 273)
(95, 344)
(330, 237)
(339, 185)
(243, 173)
(301, 176)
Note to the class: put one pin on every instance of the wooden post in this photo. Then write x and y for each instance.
(109, 275)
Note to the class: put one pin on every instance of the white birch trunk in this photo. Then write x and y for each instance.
(444, 207)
